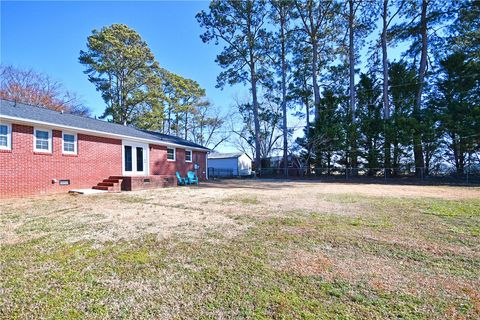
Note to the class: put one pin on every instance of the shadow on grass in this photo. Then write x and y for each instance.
(281, 183)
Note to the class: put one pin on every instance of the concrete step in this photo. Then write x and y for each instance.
(87, 191)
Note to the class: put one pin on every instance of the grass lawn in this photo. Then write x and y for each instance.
(244, 249)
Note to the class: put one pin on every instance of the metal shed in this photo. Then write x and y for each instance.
(235, 164)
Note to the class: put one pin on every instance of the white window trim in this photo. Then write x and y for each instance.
(75, 143)
(191, 155)
(9, 136)
(50, 140)
(174, 154)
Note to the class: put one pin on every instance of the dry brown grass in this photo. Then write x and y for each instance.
(245, 249)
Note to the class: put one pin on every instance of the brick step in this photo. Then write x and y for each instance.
(111, 184)
(112, 180)
(106, 184)
(103, 188)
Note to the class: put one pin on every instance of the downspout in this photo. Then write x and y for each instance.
(206, 165)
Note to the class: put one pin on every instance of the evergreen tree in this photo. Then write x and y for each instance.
(465, 31)
(319, 27)
(359, 16)
(403, 84)
(458, 104)
(327, 136)
(241, 25)
(300, 91)
(121, 66)
(281, 17)
(370, 120)
(421, 18)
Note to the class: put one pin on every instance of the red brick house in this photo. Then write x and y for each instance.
(44, 151)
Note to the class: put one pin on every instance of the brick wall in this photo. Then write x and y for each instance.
(148, 182)
(160, 165)
(25, 172)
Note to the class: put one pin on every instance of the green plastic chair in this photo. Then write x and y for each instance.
(181, 181)
(192, 178)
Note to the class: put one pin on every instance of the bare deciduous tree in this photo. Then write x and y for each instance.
(38, 89)
(207, 124)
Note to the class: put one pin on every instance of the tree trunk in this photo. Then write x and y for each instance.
(396, 156)
(329, 158)
(386, 106)
(307, 115)
(169, 120)
(455, 151)
(307, 130)
(186, 125)
(316, 89)
(202, 141)
(417, 138)
(428, 158)
(255, 119)
(284, 91)
(253, 82)
(177, 125)
(351, 58)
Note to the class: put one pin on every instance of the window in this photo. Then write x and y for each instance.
(188, 155)
(139, 159)
(128, 158)
(69, 143)
(171, 154)
(5, 136)
(42, 140)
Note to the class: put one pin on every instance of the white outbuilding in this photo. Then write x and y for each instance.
(235, 164)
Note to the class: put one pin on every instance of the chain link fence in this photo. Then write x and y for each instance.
(216, 173)
(470, 175)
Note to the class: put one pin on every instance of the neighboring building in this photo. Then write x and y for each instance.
(275, 166)
(45, 151)
(229, 164)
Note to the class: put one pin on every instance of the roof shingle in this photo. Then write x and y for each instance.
(34, 113)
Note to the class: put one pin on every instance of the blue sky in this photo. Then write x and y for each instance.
(48, 36)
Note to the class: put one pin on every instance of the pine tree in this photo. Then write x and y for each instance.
(121, 66)
(458, 104)
(370, 120)
(281, 17)
(241, 26)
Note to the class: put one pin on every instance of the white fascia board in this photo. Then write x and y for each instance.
(96, 133)
(226, 158)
